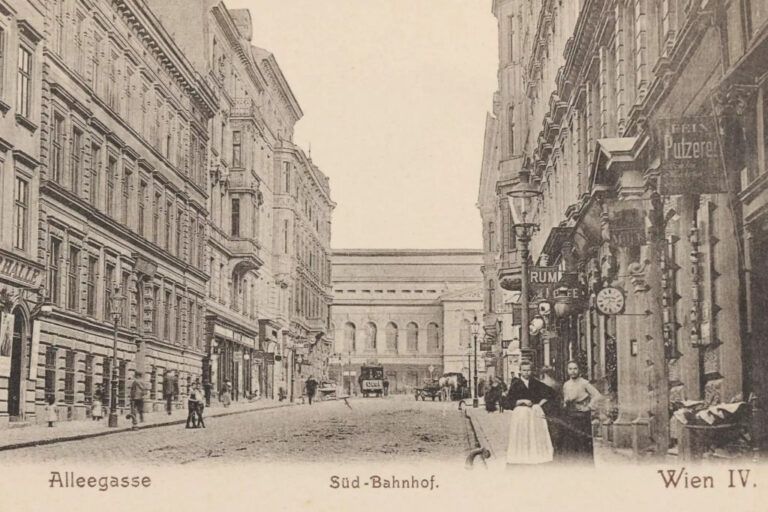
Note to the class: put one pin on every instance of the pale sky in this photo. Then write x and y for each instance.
(394, 94)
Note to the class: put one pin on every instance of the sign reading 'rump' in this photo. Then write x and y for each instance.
(690, 156)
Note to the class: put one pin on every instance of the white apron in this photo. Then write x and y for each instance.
(529, 441)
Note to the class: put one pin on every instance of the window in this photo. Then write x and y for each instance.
(2, 60)
(433, 338)
(57, 144)
(20, 214)
(96, 71)
(391, 335)
(79, 43)
(491, 237)
(73, 281)
(192, 239)
(177, 317)
(370, 336)
(237, 149)
(111, 170)
(179, 231)
(88, 381)
(76, 159)
(286, 177)
(93, 191)
(54, 254)
(153, 383)
(112, 93)
(412, 337)
(50, 373)
(142, 199)
(511, 124)
(125, 316)
(155, 310)
(106, 382)
(156, 218)
(285, 236)
(166, 316)
(235, 217)
(168, 206)
(121, 373)
(192, 320)
(125, 192)
(201, 241)
(90, 286)
(109, 284)
(69, 377)
(24, 82)
(491, 296)
(511, 39)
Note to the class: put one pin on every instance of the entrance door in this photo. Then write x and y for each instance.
(14, 384)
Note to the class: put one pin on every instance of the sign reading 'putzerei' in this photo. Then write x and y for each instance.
(689, 153)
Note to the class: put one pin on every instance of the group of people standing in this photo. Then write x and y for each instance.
(549, 422)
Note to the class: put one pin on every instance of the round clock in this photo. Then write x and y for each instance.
(610, 301)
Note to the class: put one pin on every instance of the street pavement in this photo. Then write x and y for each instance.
(362, 430)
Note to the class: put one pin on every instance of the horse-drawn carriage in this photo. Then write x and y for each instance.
(431, 389)
(454, 386)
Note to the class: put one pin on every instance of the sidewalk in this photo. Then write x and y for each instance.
(34, 435)
(492, 430)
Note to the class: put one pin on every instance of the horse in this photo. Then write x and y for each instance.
(452, 385)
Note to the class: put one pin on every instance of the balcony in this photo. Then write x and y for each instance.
(509, 273)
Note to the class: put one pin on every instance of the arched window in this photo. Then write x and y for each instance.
(391, 338)
(433, 337)
(349, 337)
(412, 337)
(370, 336)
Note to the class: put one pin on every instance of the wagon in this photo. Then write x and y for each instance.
(430, 389)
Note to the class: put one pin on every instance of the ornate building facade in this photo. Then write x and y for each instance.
(122, 209)
(600, 105)
(302, 238)
(22, 26)
(145, 162)
(409, 310)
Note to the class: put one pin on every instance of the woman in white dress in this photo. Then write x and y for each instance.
(529, 441)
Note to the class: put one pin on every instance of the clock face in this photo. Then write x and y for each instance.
(610, 301)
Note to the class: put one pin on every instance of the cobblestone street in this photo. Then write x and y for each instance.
(374, 429)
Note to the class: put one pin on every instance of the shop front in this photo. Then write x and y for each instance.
(233, 358)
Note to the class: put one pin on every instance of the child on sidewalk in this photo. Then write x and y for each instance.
(50, 411)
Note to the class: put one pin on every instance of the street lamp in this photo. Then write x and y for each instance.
(524, 230)
(115, 309)
(475, 326)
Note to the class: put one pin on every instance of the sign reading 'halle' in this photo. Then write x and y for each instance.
(689, 151)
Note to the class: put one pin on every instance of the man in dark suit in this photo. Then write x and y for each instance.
(526, 390)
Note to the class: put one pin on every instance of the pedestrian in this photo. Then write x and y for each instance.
(199, 394)
(170, 390)
(97, 407)
(281, 395)
(386, 387)
(529, 441)
(192, 403)
(138, 392)
(554, 412)
(207, 392)
(580, 398)
(50, 411)
(226, 394)
(311, 386)
(494, 395)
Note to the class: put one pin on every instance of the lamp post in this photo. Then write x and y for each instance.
(115, 307)
(475, 326)
(524, 231)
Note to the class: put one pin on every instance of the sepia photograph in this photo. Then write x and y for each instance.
(383, 254)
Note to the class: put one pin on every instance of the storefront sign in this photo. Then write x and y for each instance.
(545, 277)
(18, 271)
(269, 358)
(628, 228)
(689, 153)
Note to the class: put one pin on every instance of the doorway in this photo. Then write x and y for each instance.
(17, 364)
